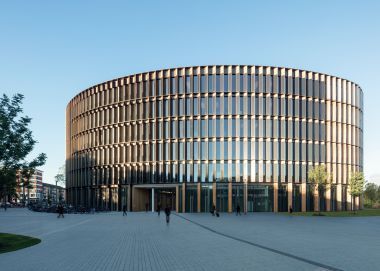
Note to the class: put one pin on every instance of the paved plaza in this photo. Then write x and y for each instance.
(143, 241)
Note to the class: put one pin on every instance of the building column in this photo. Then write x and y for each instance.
(303, 196)
(152, 200)
(183, 197)
(328, 198)
(177, 198)
(316, 198)
(339, 197)
(275, 197)
(290, 195)
(199, 197)
(230, 197)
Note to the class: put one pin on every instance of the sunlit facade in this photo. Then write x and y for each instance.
(226, 135)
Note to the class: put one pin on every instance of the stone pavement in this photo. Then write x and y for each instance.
(143, 241)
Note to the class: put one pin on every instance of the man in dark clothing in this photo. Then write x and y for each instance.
(124, 210)
(158, 209)
(167, 212)
(60, 211)
(238, 210)
(290, 209)
(213, 209)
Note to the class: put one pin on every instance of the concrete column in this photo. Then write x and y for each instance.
(177, 198)
(339, 197)
(328, 198)
(290, 195)
(152, 200)
(316, 198)
(183, 197)
(303, 197)
(199, 197)
(275, 197)
(230, 197)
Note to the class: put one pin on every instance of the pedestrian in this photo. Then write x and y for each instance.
(238, 210)
(146, 207)
(167, 212)
(60, 211)
(158, 209)
(290, 209)
(213, 209)
(5, 206)
(124, 210)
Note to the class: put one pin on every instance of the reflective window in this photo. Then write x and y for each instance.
(211, 155)
(218, 106)
(233, 82)
(225, 83)
(180, 85)
(210, 83)
(210, 105)
(211, 132)
(196, 106)
(203, 106)
(187, 86)
(204, 150)
(195, 83)
(196, 128)
(203, 83)
(217, 83)
(203, 128)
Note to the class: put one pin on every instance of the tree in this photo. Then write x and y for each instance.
(356, 185)
(60, 178)
(370, 192)
(16, 142)
(319, 178)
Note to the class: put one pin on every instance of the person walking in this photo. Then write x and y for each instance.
(238, 210)
(60, 211)
(290, 209)
(213, 209)
(158, 209)
(124, 210)
(167, 212)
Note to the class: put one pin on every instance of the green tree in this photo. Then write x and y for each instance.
(370, 192)
(319, 178)
(356, 185)
(16, 142)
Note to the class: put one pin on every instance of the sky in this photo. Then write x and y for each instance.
(52, 50)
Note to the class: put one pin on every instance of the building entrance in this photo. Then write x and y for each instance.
(148, 198)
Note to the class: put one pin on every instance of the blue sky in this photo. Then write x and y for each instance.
(51, 50)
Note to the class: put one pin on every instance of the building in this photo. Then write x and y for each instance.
(50, 193)
(226, 135)
(35, 191)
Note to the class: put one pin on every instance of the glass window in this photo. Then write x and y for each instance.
(218, 128)
(196, 150)
(189, 128)
(203, 128)
(210, 83)
(225, 83)
(211, 132)
(172, 85)
(218, 148)
(256, 83)
(241, 104)
(225, 105)
(225, 127)
(233, 82)
(241, 82)
(204, 150)
(196, 106)
(203, 106)
(217, 83)
(233, 105)
(159, 85)
(189, 151)
(211, 155)
(203, 172)
(187, 86)
(203, 83)
(225, 150)
(180, 85)
(211, 105)
(196, 128)
(195, 83)
(181, 107)
(188, 106)
(218, 106)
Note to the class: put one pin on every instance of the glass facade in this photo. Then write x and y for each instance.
(214, 124)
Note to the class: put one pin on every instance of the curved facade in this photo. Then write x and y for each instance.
(226, 135)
